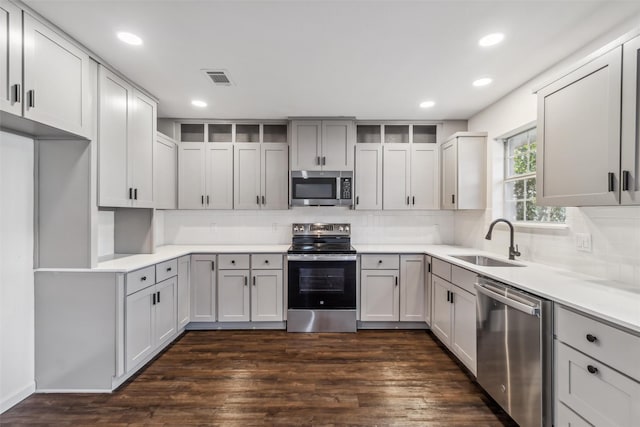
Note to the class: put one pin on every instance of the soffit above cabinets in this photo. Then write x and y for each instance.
(372, 60)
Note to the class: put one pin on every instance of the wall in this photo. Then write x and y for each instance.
(274, 227)
(16, 269)
(615, 230)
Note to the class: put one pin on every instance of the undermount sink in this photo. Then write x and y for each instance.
(485, 261)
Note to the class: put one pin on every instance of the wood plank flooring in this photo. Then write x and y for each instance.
(250, 378)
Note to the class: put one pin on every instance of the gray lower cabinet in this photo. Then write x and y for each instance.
(453, 311)
(203, 288)
(392, 288)
(597, 372)
(150, 320)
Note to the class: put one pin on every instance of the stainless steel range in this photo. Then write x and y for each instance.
(322, 279)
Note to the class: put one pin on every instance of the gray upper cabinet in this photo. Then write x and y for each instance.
(579, 135)
(368, 176)
(126, 138)
(464, 171)
(630, 167)
(43, 76)
(589, 151)
(56, 80)
(10, 58)
(165, 173)
(261, 176)
(322, 145)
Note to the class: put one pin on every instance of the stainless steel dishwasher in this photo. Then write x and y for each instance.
(514, 339)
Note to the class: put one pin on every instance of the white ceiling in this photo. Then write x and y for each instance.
(369, 59)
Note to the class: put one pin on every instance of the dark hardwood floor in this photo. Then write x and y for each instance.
(248, 378)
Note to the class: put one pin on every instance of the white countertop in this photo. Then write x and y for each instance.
(615, 302)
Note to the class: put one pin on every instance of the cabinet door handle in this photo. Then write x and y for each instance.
(591, 338)
(324, 160)
(592, 369)
(207, 200)
(135, 194)
(612, 181)
(16, 93)
(245, 280)
(130, 193)
(213, 265)
(453, 198)
(264, 201)
(154, 299)
(257, 200)
(202, 200)
(408, 200)
(254, 280)
(357, 200)
(396, 281)
(452, 294)
(158, 297)
(413, 200)
(31, 95)
(625, 180)
(448, 293)
(318, 160)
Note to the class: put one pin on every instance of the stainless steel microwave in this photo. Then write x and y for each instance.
(321, 188)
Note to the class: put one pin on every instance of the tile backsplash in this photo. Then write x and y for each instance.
(274, 227)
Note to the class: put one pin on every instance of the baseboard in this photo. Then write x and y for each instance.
(392, 325)
(18, 397)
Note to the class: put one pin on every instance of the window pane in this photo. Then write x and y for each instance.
(530, 185)
(515, 190)
(510, 210)
(519, 211)
(532, 157)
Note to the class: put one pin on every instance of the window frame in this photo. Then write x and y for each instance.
(507, 179)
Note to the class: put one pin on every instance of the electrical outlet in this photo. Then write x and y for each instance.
(583, 242)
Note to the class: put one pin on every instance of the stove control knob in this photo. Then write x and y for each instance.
(346, 228)
(341, 228)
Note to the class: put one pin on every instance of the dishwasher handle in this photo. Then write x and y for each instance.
(532, 310)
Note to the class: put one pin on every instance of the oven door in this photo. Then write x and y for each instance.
(322, 281)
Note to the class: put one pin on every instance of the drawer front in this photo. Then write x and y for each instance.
(599, 394)
(464, 279)
(380, 262)
(167, 269)
(565, 417)
(141, 279)
(233, 262)
(616, 348)
(266, 261)
(441, 269)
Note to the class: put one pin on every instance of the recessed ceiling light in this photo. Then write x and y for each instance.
(198, 103)
(491, 39)
(482, 82)
(129, 38)
(427, 104)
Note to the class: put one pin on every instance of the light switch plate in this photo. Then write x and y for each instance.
(583, 242)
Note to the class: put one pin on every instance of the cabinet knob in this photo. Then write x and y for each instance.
(379, 261)
(592, 369)
(233, 261)
(266, 261)
(143, 278)
(168, 268)
(591, 338)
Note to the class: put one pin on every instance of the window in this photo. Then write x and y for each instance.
(520, 182)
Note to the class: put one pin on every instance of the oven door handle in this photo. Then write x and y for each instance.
(321, 257)
(532, 310)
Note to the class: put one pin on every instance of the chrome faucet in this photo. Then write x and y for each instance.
(513, 251)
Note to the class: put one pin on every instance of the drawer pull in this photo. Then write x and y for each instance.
(266, 261)
(592, 369)
(143, 278)
(233, 261)
(591, 338)
(379, 261)
(168, 268)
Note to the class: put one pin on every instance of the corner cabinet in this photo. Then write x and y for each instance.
(453, 312)
(464, 171)
(126, 138)
(588, 152)
(322, 145)
(44, 77)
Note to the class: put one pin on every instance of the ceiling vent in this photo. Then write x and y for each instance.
(219, 77)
